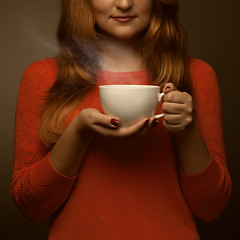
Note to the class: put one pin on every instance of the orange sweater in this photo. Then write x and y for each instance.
(125, 189)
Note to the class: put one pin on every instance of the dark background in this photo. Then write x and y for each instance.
(28, 33)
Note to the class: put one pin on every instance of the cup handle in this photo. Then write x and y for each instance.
(159, 100)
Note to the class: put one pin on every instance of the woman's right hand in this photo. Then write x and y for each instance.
(91, 120)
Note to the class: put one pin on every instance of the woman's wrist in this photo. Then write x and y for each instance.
(69, 152)
(81, 128)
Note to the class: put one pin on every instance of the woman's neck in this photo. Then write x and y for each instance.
(121, 55)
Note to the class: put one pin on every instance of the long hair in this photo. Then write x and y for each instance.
(164, 54)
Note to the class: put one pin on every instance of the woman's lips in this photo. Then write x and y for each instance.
(123, 19)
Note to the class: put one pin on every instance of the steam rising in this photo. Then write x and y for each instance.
(40, 43)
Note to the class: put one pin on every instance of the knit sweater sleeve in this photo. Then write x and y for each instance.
(37, 188)
(207, 193)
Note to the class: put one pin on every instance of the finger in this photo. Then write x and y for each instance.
(121, 132)
(178, 97)
(152, 122)
(105, 120)
(173, 128)
(172, 108)
(134, 129)
(173, 119)
(168, 87)
(105, 131)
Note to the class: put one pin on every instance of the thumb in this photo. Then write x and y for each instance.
(106, 121)
(168, 87)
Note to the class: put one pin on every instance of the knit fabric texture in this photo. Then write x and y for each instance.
(125, 189)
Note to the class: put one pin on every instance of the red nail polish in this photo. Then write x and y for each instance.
(146, 122)
(155, 122)
(114, 122)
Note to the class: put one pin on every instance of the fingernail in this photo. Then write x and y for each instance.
(146, 122)
(155, 122)
(114, 122)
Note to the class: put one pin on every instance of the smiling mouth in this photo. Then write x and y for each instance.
(123, 18)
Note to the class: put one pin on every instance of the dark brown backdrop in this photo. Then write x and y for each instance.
(28, 34)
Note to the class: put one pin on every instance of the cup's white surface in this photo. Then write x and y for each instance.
(129, 103)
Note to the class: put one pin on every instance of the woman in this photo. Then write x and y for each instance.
(97, 179)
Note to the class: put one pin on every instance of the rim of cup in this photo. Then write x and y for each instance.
(128, 86)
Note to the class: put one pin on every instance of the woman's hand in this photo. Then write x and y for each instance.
(91, 120)
(178, 109)
(193, 154)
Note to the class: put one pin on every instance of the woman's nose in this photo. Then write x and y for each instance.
(124, 4)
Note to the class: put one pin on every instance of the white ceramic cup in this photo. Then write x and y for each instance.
(130, 103)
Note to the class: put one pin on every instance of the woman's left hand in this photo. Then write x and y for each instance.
(178, 109)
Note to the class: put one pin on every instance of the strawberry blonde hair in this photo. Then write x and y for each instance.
(164, 54)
